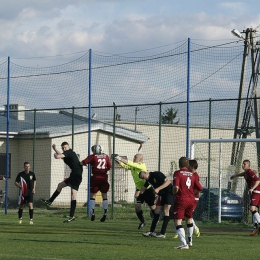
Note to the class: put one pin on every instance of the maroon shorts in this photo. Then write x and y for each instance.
(99, 184)
(255, 199)
(183, 207)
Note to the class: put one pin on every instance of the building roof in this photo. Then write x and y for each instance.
(59, 123)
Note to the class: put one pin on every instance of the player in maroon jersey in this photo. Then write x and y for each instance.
(193, 166)
(100, 165)
(184, 185)
(253, 183)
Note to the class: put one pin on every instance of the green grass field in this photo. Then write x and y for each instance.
(50, 238)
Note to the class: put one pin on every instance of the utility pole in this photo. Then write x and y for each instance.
(242, 128)
(251, 109)
(235, 157)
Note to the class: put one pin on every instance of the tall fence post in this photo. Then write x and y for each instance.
(89, 126)
(160, 136)
(7, 135)
(72, 130)
(188, 102)
(34, 138)
(113, 162)
(209, 155)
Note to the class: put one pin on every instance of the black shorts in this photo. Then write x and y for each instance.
(166, 199)
(148, 197)
(74, 181)
(29, 197)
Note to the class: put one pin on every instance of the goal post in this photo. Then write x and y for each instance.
(217, 161)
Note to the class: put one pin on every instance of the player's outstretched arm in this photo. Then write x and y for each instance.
(54, 147)
(236, 175)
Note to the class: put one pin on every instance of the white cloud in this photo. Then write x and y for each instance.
(66, 26)
(27, 37)
(27, 13)
(237, 8)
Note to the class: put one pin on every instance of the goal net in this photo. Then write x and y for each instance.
(218, 159)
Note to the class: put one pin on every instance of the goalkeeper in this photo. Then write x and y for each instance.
(148, 196)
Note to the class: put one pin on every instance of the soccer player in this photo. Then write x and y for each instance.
(100, 165)
(253, 183)
(136, 166)
(26, 182)
(71, 159)
(163, 188)
(193, 166)
(184, 185)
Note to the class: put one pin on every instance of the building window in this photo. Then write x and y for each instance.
(3, 164)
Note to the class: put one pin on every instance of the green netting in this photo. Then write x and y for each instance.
(56, 105)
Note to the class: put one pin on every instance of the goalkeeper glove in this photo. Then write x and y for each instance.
(116, 157)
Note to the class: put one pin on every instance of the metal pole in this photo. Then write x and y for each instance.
(113, 161)
(209, 156)
(188, 102)
(7, 135)
(220, 182)
(34, 138)
(136, 109)
(72, 130)
(89, 126)
(160, 136)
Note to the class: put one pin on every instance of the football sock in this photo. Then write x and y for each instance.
(256, 216)
(140, 216)
(190, 229)
(92, 204)
(20, 213)
(73, 204)
(105, 206)
(154, 222)
(165, 224)
(194, 224)
(54, 196)
(181, 234)
(31, 213)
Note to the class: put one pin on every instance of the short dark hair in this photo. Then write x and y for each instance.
(183, 162)
(64, 143)
(193, 164)
(25, 163)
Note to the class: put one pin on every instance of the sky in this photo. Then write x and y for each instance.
(47, 28)
(46, 33)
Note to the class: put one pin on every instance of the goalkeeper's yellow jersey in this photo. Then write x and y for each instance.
(135, 168)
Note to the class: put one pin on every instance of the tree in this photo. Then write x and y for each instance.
(169, 116)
